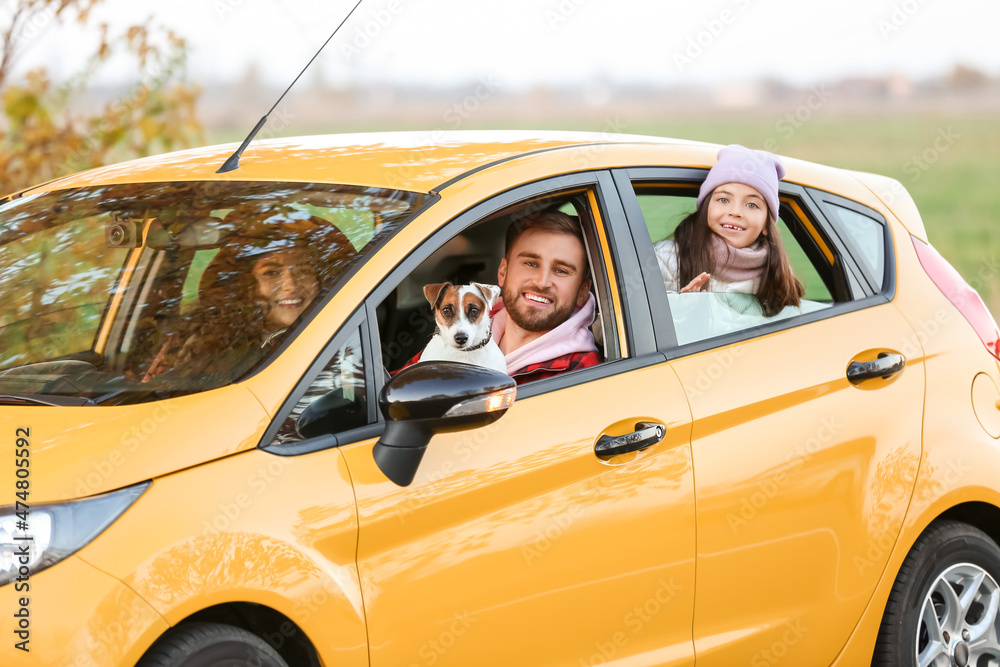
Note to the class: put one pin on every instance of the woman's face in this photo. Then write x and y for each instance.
(288, 282)
(737, 213)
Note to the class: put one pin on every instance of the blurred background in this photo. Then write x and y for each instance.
(905, 88)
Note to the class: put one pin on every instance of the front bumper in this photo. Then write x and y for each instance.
(77, 616)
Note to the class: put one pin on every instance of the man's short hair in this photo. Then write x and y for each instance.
(551, 221)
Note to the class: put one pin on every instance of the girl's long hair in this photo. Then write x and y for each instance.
(777, 287)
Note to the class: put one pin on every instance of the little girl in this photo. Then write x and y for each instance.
(731, 242)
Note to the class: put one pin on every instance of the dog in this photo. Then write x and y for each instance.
(462, 315)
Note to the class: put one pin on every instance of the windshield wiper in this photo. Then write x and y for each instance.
(43, 399)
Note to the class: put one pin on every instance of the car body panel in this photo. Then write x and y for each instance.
(796, 483)
(960, 462)
(416, 161)
(111, 624)
(254, 527)
(87, 450)
(422, 162)
(549, 538)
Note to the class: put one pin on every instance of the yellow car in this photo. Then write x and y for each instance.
(213, 457)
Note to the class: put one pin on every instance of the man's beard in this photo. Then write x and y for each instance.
(528, 318)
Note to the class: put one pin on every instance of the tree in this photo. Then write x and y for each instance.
(966, 77)
(43, 135)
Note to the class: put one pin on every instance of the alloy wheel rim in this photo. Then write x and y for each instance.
(959, 623)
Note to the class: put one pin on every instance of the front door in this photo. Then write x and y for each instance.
(518, 543)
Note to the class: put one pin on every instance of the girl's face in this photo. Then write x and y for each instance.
(737, 213)
(288, 282)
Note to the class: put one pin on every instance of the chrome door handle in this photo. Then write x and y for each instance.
(886, 365)
(646, 434)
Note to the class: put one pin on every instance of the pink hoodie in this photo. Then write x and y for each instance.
(571, 336)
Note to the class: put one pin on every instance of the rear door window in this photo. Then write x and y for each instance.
(863, 234)
(828, 268)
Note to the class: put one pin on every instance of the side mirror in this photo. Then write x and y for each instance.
(331, 413)
(435, 397)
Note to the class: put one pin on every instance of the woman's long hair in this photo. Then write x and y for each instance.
(777, 287)
(225, 327)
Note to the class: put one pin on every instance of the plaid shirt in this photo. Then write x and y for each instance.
(542, 370)
(553, 367)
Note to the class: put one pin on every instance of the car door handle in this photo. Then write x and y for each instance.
(646, 434)
(887, 364)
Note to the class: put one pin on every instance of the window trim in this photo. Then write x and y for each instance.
(665, 332)
(822, 200)
(357, 321)
(663, 326)
(634, 308)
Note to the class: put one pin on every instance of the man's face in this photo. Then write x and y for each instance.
(542, 279)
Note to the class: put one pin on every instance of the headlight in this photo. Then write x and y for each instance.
(56, 530)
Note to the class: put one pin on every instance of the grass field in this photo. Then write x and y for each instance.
(950, 165)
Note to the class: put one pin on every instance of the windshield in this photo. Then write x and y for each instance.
(128, 293)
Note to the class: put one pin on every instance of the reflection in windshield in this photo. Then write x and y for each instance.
(125, 293)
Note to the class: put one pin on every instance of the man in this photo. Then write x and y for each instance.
(542, 321)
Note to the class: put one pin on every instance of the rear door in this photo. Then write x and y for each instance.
(802, 475)
(516, 543)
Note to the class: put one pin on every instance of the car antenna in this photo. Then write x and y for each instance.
(234, 160)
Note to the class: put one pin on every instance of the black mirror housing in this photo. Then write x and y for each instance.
(435, 397)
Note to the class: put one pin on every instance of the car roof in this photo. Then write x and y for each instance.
(425, 161)
(414, 161)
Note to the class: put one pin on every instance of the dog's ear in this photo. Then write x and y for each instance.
(434, 291)
(490, 292)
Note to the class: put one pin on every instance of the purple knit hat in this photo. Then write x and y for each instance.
(758, 169)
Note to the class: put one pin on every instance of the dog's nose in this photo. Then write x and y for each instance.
(461, 338)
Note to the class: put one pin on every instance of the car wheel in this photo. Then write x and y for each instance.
(942, 610)
(210, 645)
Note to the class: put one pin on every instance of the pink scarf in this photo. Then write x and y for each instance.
(738, 264)
(571, 336)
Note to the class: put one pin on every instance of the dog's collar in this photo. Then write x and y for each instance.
(486, 341)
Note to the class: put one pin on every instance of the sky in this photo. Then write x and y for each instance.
(523, 43)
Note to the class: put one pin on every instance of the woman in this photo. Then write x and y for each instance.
(251, 293)
(286, 282)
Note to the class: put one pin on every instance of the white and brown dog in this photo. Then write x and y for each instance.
(462, 314)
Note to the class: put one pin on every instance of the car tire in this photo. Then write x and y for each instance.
(943, 608)
(210, 645)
